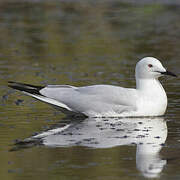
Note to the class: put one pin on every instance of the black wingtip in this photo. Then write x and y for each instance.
(32, 89)
(11, 82)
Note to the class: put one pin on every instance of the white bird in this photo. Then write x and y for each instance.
(147, 99)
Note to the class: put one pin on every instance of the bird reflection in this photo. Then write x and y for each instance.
(148, 134)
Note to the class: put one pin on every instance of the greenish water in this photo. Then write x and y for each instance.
(82, 43)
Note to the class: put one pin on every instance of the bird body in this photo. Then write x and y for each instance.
(147, 99)
(97, 100)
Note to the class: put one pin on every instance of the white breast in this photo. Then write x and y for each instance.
(152, 103)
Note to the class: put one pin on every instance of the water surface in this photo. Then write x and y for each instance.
(83, 43)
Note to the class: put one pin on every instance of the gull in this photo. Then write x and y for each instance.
(147, 99)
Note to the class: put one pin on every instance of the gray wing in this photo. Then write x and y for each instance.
(93, 99)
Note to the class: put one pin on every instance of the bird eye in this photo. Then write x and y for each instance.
(150, 65)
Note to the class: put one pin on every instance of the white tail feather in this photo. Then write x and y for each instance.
(48, 100)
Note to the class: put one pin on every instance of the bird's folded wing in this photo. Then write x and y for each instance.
(92, 98)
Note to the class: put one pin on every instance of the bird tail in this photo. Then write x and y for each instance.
(34, 91)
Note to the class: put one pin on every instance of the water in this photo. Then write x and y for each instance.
(85, 43)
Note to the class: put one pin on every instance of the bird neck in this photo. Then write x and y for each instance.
(150, 85)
